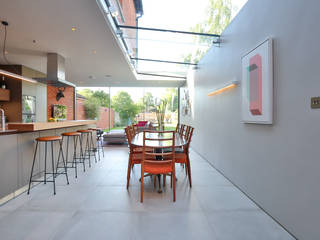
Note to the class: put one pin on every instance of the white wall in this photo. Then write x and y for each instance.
(278, 166)
(38, 90)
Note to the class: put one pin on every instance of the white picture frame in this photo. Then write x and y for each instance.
(257, 84)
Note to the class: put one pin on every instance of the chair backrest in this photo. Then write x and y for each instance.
(150, 139)
(178, 127)
(181, 131)
(186, 131)
(188, 137)
(131, 130)
(135, 129)
(129, 136)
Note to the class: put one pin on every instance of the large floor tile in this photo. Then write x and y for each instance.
(98, 225)
(249, 225)
(217, 198)
(174, 225)
(97, 205)
(32, 225)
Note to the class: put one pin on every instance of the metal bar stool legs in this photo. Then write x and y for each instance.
(53, 173)
(74, 162)
(99, 144)
(93, 149)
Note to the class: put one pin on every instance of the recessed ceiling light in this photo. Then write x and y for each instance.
(107, 75)
(73, 29)
(34, 41)
(6, 52)
(94, 51)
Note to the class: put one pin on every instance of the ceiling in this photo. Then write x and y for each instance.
(93, 55)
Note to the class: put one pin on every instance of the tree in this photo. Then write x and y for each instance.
(218, 17)
(148, 101)
(171, 96)
(86, 92)
(123, 104)
(102, 97)
(92, 107)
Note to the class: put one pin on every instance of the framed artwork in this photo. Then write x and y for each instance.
(186, 103)
(257, 84)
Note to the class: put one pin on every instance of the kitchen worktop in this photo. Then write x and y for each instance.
(7, 131)
(39, 126)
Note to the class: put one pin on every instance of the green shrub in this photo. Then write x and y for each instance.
(92, 108)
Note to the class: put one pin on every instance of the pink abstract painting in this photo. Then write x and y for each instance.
(255, 78)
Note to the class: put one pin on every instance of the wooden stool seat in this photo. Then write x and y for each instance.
(71, 134)
(49, 138)
(95, 129)
(85, 131)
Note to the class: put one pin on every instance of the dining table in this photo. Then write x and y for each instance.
(180, 141)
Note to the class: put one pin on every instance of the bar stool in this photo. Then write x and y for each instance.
(50, 139)
(76, 138)
(99, 146)
(89, 149)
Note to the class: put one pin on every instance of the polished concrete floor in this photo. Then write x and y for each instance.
(97, 205)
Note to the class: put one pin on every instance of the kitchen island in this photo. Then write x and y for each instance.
(17, 145)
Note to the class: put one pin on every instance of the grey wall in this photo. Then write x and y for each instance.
(278, 166)
(38, 90)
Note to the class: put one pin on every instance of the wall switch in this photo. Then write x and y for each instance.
(315, 102)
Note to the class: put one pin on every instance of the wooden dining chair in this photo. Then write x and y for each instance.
(158, 162)
(177, 128)
(182, 129)
(135, 155)
(183, 156)
(135, 129)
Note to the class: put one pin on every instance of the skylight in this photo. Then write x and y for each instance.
(157, 54)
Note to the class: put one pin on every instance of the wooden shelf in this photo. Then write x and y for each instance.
(4, 95)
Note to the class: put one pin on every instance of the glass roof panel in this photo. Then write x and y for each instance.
(163, 53)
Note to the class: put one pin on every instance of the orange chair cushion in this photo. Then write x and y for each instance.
(180, 158)
(158, 167)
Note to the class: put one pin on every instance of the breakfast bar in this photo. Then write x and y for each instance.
(17, 146)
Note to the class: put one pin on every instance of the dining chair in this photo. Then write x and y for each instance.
(183, 156)
(135, 129)
(177, 128)
(135, 156)
(135, 153)
(182, 128)
(158, 162)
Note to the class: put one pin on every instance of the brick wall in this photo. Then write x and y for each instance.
(129, 12)
(103, 121)
(68, 101)
(81, 114)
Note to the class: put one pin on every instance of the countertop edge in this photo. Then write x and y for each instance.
(42, 126)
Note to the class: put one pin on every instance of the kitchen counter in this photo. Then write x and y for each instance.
(39, 126)
(17, 150)
(5, 132)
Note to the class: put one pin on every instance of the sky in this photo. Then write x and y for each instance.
(176, 15)
(168, 14)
